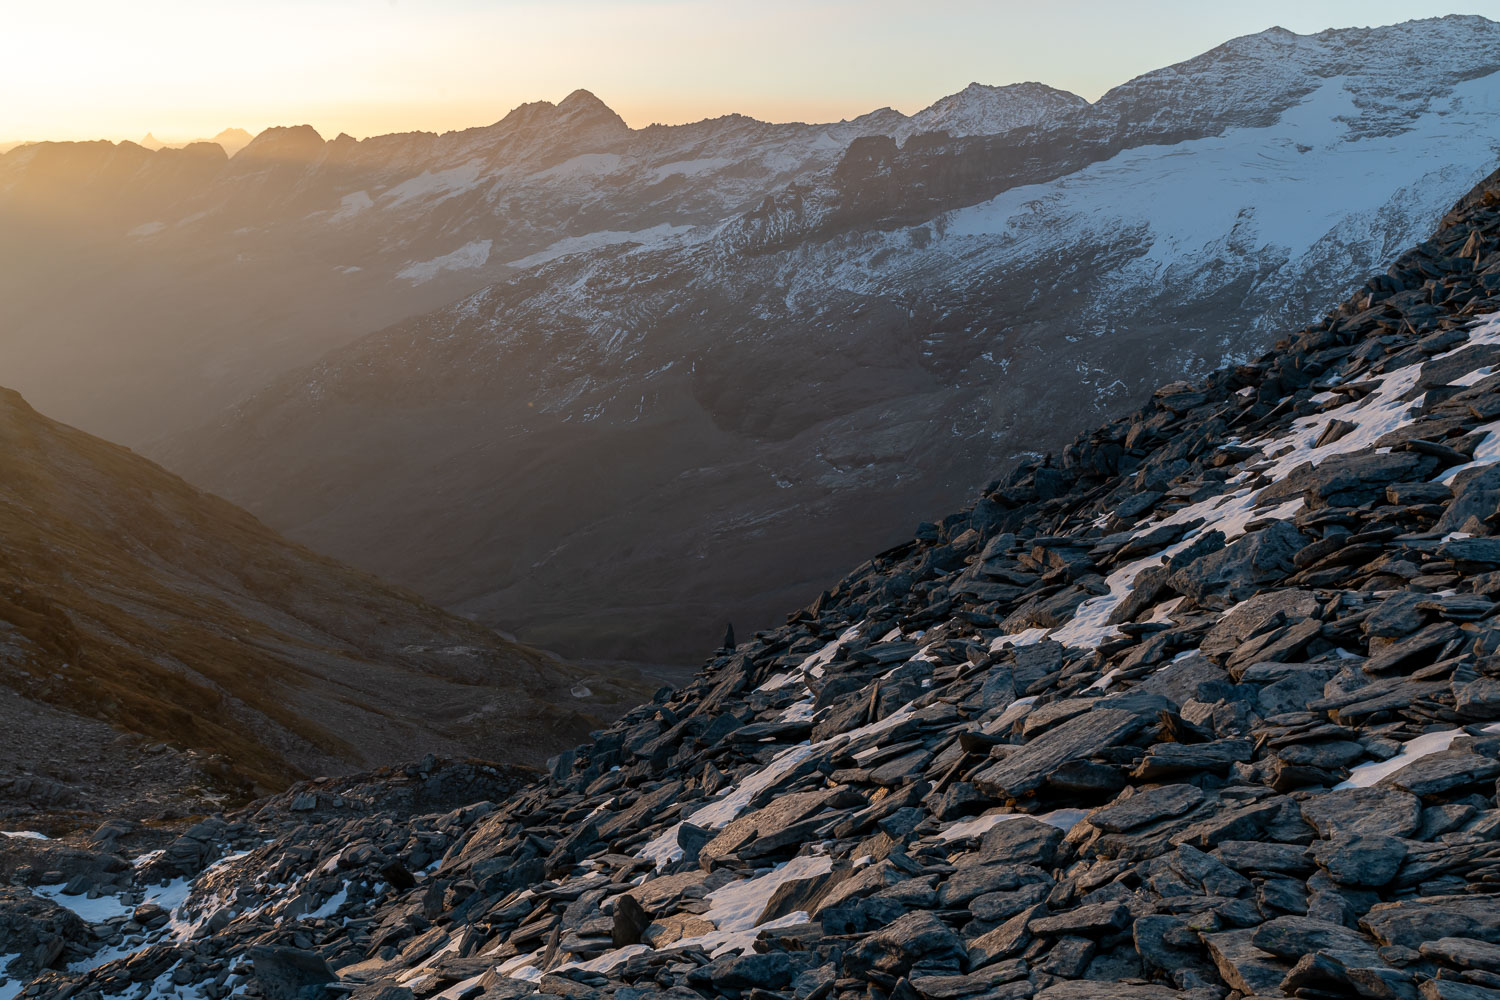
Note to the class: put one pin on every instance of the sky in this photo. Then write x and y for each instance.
(181, 69)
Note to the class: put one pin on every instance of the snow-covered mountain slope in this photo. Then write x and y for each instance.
(1207, 708)
(142, 289)
(983, 110)
(1392, 74)
(625, 446)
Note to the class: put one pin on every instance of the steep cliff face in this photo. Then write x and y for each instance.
(1206, 706)
(761, 398)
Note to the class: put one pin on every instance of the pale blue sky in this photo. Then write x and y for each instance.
(183, 68)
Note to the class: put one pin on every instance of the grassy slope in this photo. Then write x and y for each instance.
(129, 596)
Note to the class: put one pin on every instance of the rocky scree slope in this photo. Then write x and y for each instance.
(211, 275)
(1208, 708)
(161, 649)
(765, 402)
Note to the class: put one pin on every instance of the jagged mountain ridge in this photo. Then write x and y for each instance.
(1204, 708)
(761, 401)
(137, 610)
(1391, 73)
(215, 274)
(218, 277)
(231, 140)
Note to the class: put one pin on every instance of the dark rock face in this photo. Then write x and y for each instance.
(1261, 787)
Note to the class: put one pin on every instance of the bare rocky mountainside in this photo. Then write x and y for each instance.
(1206, 707)
(142, 289)
(616, 449)
(162, 651)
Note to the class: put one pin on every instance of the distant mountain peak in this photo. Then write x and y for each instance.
(230, 140)
(285, 143)
(582, 104)
(581, 98)
(877, 116)
(581, 107)
(233, 140)
(297, 132)
(981, 109)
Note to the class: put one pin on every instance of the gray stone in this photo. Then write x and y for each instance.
(771, 971)
(1463, 953)
(984, 982)
(1479, 552)
(1450, 989)
(1177, 759)
(1207, 873)
(1334, 973)
(1067, 957)
(1004, 941)
(1258, 614)
(1245, 565)
(1444, 772)
(1085, 990)
(630, 921)
(1378, 810)
(1259, 857)
(975, 880)
(1410, 922)
(284, 972)
(1020, 841)
(1396, 616)
(1091, 920)
(1361, 859)
(1236, 823)
(1027, 769)
(1349, 480)
(916, 938)
(1292, 937)
(1244, 966)
(999, 906)
(1478, 699)
(1148, 806)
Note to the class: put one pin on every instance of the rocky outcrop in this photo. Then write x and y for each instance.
(1145, 721)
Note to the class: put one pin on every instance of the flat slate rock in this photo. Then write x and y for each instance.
(1244, 966)
(1027, 769)
(1411, 922)
(1348, 480)
(1128, 812)
(1443, 772)
(1375, 810)
(1368, 860)
(1083, 990)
